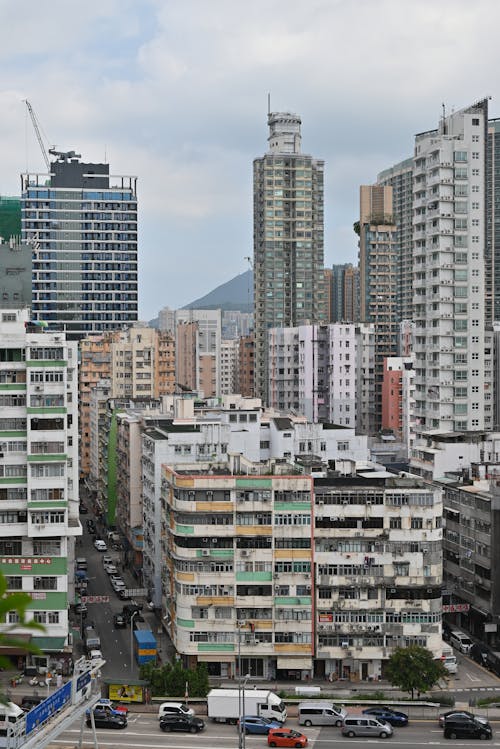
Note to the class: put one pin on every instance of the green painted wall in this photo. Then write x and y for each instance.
(189, 623)
(53, 601)
(255, 483)
(215, 646)
(253, 576)
(112, 443)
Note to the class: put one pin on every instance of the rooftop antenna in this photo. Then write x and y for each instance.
(444, 118)
(269, 103)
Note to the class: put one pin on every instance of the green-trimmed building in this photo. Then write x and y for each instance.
(38, 477)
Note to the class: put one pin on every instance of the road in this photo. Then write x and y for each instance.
(115, 643)
(143, 732)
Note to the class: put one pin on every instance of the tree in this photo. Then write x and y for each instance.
(414, 668)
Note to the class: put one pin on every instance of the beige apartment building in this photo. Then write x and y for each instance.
(138, 362)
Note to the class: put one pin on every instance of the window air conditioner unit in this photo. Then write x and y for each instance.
(244, 552)
(205, 552)
(344, 644)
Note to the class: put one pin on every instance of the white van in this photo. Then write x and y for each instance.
(461, 642)
(9, 713)
(320, 714)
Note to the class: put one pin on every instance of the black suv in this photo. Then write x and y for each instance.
(120, 621)
(466, 728)
(181, 723)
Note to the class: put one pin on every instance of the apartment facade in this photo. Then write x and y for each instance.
(245, 375)
(39, 476)
(312, 370)
(259, 566)
(398, 398)
(288, 238)
(229, 353)
(378, 571)
(84, 221)
(138, 363)
(378, 280)
(400, 178)
(453, 358)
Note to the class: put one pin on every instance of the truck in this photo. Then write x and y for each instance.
(92, 639)
(228, 705)
(145, 647)
(448, 658)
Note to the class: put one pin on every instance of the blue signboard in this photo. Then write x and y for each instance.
(42, 712)
(82, 681)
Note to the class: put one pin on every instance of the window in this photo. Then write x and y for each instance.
(417, 523)
(395, 523)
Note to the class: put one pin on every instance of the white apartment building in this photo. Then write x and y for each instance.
(452, 348)
(207, 345)
(378, 571)
(314, 371)
(39, 476)
(228, 368)
(453, 453)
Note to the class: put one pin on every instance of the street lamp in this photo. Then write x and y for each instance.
(132, 642)
(241, 690)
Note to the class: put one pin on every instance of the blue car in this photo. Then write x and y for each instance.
(388, 715)
(255, 724)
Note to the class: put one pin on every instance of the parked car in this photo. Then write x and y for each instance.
(107, 560)
(182, 723)
(100, 545)
(388, 715)
(29, 702)
(256, 724)
(81, 608)
(118, 585)
(460, 715)
(110, 569)
(466, 728)
(83, 510)
(119, 621)
(286, 737)
(106, 718)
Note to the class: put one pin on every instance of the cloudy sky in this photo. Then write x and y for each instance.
(175, 91)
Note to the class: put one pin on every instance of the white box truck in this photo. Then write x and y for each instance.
(225, 706)
(449, 658)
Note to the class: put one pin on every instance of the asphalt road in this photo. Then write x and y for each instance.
(115, 643)
(143, 732)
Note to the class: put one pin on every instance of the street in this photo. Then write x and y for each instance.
(143, 732)
(115, 643)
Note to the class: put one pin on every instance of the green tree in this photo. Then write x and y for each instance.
(414, 669)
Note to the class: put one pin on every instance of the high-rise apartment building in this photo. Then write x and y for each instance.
(400, 178)
(378, 279)
(245, 379)
(288, 238)
(198, 349)
(453, 358)
(39, 485)
(85, 266)
(313, 371)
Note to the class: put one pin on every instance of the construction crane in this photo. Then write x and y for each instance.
(38, 135)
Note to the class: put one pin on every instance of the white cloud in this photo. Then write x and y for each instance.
(176, 93)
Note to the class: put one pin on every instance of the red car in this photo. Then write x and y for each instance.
(286, 737)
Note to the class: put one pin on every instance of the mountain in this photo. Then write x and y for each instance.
(236, 294)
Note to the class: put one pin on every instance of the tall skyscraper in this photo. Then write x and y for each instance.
(378, 280)
(85, 267)
(288, 238)
(452, 345)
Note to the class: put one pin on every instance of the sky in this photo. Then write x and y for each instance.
(176, 92)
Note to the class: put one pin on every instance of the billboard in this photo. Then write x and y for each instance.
(126, 693)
